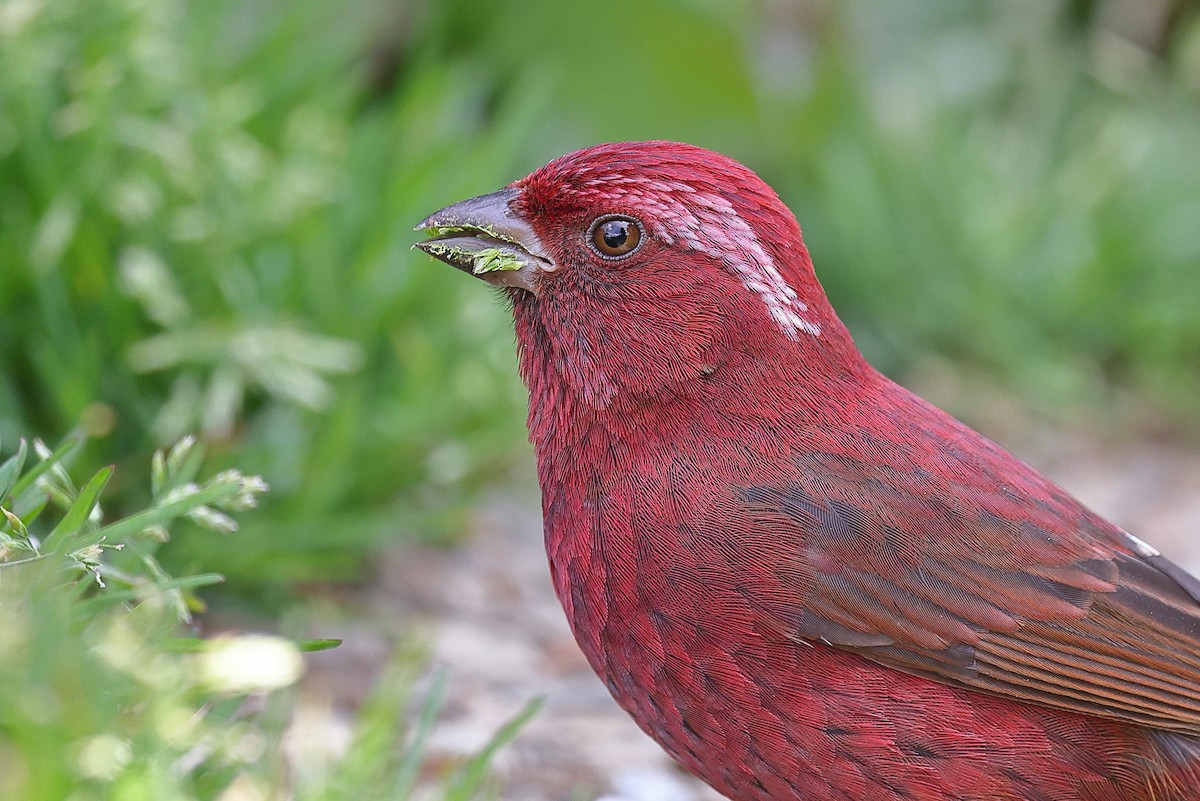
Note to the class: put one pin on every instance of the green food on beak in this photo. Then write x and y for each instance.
(488, 260)
(485, 237)
(492, 260)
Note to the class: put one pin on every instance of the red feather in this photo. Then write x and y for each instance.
(802, 580)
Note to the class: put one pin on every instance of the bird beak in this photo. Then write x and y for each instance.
(484, 237)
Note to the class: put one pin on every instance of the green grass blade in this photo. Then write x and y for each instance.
(313, 646)
(409, 768)
(11, 469)
(106, 597)
(68, 447)
(76, 517)
(470, 776)
(124, 528)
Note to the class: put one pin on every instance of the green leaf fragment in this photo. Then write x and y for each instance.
(490, 260)
(469, 230)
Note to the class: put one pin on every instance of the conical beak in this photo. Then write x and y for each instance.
(484, 237)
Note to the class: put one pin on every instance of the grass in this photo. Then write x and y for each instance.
(219, 244)
(106, 695)
(201, 241)
(1027, 219)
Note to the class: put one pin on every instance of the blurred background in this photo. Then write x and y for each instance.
(206, 211)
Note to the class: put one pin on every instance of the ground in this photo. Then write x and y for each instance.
(493, 623)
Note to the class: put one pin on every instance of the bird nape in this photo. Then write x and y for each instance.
(802, 580)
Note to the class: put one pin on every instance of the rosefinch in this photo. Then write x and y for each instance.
(802, 580)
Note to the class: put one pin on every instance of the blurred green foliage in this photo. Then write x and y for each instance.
(103, 697)
(1015, 195)
(207, 209)
(207, 218)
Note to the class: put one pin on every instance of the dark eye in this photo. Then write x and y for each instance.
(615, 237)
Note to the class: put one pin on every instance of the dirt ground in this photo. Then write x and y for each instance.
(494, 624)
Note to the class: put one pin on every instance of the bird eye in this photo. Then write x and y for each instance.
(615, 237)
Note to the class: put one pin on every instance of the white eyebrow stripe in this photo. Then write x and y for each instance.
(709, 224)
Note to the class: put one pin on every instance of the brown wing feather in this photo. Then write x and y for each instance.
(968, 585)
(1135, 655)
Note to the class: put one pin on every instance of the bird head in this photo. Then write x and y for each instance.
(637, 269)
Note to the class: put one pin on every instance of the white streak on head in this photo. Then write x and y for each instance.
(709, 224)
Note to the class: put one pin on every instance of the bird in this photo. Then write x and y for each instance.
(802, 580)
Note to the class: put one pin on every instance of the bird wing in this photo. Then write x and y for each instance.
(981, 573)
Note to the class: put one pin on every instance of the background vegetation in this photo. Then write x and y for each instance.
(206, 210)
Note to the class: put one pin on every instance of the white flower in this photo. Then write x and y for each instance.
(250, 663)
(102, 757)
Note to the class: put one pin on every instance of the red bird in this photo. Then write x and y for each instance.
(802, 580)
